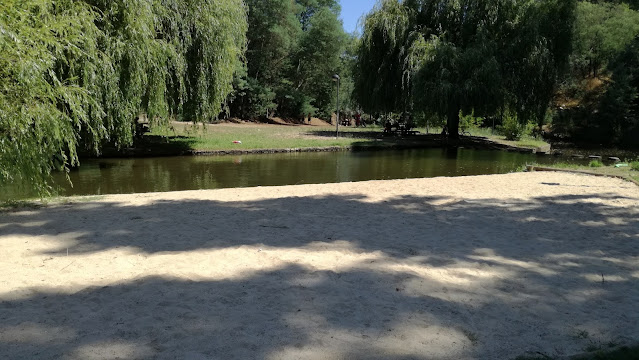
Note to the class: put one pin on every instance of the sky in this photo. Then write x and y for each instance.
(352, 10)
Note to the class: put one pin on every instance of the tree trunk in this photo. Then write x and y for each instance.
(453, 123)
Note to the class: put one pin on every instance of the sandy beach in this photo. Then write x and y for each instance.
(484, 267)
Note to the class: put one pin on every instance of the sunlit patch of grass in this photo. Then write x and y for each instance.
(242, 137)
(524, 142)
(531, 143)
(566, 165)
(485, 132)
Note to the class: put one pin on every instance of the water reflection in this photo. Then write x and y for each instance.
(114, 176)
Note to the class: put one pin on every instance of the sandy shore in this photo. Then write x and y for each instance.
(486, 267)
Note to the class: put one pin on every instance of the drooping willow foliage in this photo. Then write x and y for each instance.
(381, 57)
(80, 73)
(443, 56)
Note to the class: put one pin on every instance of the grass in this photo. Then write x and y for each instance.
(259, 136)
(598, 167)
(251, 136)
(531, 143)
(10, 205)
(625, 353)
(622, 353)
(19, 204)
(525, 142)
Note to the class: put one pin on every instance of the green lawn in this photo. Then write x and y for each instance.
(259, 136)
(267, 136)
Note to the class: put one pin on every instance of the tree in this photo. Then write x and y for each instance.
(595, 96)
(294, 47)
(445, 56)
(602, 31)
(382, 57)
(40, 111)
(618, 118)
(80, 72)
(273, 35)
(318, 58)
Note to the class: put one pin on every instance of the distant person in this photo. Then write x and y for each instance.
(388, 127)
(358, 119)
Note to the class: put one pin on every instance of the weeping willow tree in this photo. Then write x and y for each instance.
(81, 72)
(382, 57)
(445, 56)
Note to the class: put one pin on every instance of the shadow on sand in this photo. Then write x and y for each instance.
(514, 276)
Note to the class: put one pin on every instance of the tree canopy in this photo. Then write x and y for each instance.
(444, 56)
(293, 49)
(78, 73)
(595, 99)
(602, 31)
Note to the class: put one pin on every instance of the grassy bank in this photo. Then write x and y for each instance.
(630, 172)
(251, 136)
(524, 142)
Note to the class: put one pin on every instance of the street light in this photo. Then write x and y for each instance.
(336, 78)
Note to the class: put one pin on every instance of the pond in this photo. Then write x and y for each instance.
(140, 175)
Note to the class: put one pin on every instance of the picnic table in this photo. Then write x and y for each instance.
(399, 129)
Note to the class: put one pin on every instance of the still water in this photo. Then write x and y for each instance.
(120, 176)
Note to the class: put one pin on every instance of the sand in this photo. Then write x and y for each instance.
(487, 267)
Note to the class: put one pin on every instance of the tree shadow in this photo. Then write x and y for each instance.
(427, 223)
(148, 146)
(372, 134)
(418, 277)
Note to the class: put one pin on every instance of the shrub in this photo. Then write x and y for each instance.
(635, 165)
(595, 164)
(467, 122)
(512, 129)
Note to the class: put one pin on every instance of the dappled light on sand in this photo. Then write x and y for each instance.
(445, 268)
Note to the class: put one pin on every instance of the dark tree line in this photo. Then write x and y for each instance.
(597, 100)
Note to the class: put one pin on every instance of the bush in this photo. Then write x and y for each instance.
(294, 103)
(595, 164)
(635, 165)
(469, 122)
(512, 129)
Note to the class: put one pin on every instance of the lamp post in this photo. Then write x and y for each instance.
(336, 78)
